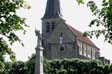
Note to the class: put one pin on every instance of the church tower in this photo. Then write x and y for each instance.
(50, 20)
(51, 17)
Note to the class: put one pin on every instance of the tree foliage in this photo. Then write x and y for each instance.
(18, 67)
(30, 64)
(103, 20)
(10, 22)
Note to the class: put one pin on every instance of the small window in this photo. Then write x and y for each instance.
(48, 23)
(93, 53)
(48, 28)
(61, 34)
(89, 52)
(85, 53)
(61, 48)
(53, 26)
(61, 39)
(83, 49)
(80, 48)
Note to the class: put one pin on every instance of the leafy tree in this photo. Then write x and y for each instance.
(30, 64)
(10, 22)
(18, 67)
(103, 19)
(7, 68)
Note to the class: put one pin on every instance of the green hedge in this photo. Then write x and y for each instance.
(66, 66)
(75, 66)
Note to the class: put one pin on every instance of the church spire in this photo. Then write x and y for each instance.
(52, 9)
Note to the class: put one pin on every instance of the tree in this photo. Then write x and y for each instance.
(103, 19)
(10, 22)
(30, 64)
(18, 67)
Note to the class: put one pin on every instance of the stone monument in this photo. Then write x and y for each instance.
(39, 54)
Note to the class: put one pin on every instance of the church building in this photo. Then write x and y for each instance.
(61, 40)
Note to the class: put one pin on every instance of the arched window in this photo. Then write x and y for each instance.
(48, 27)
(80, 48)
(85, 50)
(88, 52)
(53, 25)
(61, 38)
(93, 53)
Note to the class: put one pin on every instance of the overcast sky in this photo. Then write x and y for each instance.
(77, 16)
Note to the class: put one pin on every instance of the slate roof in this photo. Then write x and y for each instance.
(80, 36)
(52, 9)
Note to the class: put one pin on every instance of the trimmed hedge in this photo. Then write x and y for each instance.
(65, 66)
(75, 66)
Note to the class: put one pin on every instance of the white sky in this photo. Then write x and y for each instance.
(77, 16)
